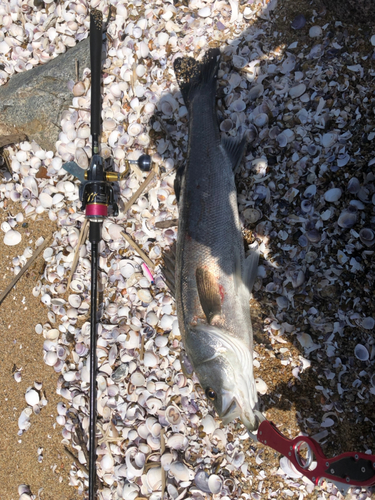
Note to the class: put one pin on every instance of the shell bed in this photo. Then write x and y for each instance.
(300, 85)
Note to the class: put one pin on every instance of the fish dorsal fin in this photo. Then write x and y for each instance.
(234, 149)
(250, 268)
(168, 268)
(209, 293)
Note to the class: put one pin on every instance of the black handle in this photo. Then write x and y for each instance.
(96, 35)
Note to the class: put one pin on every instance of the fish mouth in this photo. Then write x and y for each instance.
(232, 409)
(230, 406)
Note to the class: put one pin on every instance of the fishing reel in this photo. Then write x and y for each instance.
(96, 191)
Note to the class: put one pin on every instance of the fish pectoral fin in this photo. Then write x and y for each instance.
(168, 268)
(251, 268)
(209, 293)
(234, 149)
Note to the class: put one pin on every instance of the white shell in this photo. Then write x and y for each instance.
(368, 323)
(209, 424)
(179, 471)
(134, 129)
(261, 386)
(315, 31)
(297, 90)
(214, 483)
(333, 194)
(32, 397)
(12, 238)
(329, 139)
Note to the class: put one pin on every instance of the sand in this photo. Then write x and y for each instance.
(22, 348)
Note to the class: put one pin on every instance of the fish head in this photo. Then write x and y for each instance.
(224, 366)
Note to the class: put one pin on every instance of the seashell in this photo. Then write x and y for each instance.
(50, 358)
(238, 105)
(368, 323)
(255, 92)
(166, 322)
(353, 185)
(79, 89)
(137, 379)
(201, 481)
(81, 158)
(173, 415)
(163, 38)
(261, 119)
(367, 236)
(145, 296)
(32, 397)
(297, 90)
(154, 478)
(209, 424)
(361, 352)
(282, 140)
(107, 463)
(204, 12)
(109, 124)
(239, 61)
(24, 419)
(126, 269)
(313, 235)
(226, 125)
(348, 217)
(343, 160)
(288, 65)
(177, 442)
(261, 386)
(179, 471)
(12, 238)
(214, 484)
(134, 129)
(333, 195)
(315, 32)
(329, 139)
(52, 334)
(81, 349)
(31, 184)
(288, 468)
(252, 215)
(299, 22)
(45, 200)
(150, 359)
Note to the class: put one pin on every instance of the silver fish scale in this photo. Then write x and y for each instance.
(209, 233)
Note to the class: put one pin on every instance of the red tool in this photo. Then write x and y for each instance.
(350, 469)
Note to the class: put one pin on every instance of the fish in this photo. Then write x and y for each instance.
(213, 279)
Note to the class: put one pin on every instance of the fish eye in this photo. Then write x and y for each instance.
(210, 393)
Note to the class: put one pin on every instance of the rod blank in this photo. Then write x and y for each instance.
(96, 35)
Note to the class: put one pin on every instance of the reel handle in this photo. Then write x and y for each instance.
(96, 35)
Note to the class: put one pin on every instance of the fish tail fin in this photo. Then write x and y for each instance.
(193, 75)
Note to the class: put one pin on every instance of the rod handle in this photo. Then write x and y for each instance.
(96, 36)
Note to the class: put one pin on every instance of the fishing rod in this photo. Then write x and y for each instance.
(96, 195)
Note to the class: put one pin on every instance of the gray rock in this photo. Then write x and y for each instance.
(32, 101)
